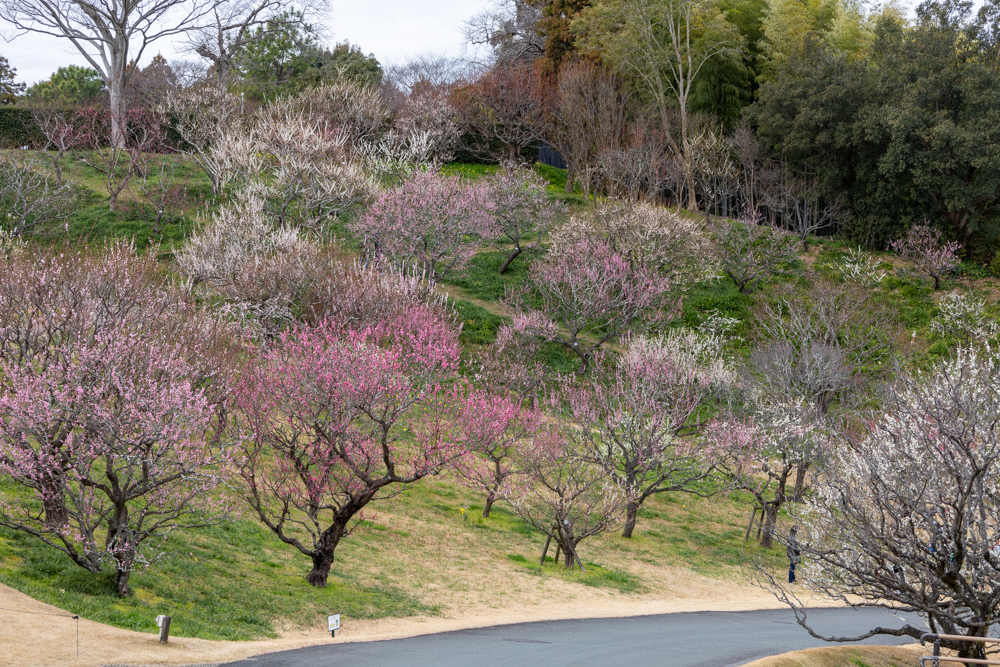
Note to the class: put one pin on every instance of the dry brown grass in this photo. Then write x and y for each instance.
(846, 656)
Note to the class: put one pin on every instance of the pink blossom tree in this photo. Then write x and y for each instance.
(589, 295)
(633, 422)
(759, 453)
(495, 426)
(521, 207)
(922, 245)
(108, 413)
(512, 362)
(563, 494)
(430, 223)
(335, 419)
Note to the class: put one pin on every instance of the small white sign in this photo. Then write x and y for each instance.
(334, 622)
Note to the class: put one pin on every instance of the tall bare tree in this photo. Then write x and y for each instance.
(590, 111)
(510, 29)
(752, 162)
(111, 35)
(662, 45)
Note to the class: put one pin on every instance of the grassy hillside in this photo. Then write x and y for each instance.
(420, 553)
(428, 551)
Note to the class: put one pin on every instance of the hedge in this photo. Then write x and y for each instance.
(18, 128)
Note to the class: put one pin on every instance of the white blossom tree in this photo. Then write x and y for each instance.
(906, 516)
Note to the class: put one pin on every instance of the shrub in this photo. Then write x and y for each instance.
(430, 224)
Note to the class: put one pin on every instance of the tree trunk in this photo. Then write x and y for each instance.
(568, 556)
(800, 481)
(55, 510)
(116, 105)
(510, 258)
(753, 515)
(121, 582)
(322, 562)
(584, 357)
(771, 516)
(489, 505)
(631, 511)
(569, 179)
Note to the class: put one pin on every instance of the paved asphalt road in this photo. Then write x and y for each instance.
(700, 639)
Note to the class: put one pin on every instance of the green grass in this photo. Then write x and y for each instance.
(233, 581)
(482, 279)
(593, 575)
(469, 170)
(479, 326)
(92, 220)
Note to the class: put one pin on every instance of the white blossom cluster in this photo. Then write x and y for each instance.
(860, 267)
(907, 514)
(963, 317)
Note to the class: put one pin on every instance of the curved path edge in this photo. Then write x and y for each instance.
(688, 639)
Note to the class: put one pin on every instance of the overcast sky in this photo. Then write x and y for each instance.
(390, 29)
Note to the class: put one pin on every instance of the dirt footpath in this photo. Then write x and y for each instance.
(40, 641)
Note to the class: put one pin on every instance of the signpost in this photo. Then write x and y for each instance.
(163, 622)
(333, 621)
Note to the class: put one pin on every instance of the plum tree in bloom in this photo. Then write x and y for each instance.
(512, 362)
(906, 517)
(238, 235)
(202, 115)
(633, 421)
(591, 294)
(336, 418)
(964, 317)
(757, 454)
(563, 494)
(430, 223)
(922, 245)
(521, 207)
(107, 414)
(494, 426)
(427, 110)
(304, 167)
(676, 246)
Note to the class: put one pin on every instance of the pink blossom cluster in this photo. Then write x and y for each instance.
(334, 418)
(922, 245)
(589, 295)
(107, 411)
(496, 428)
(430, 223)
